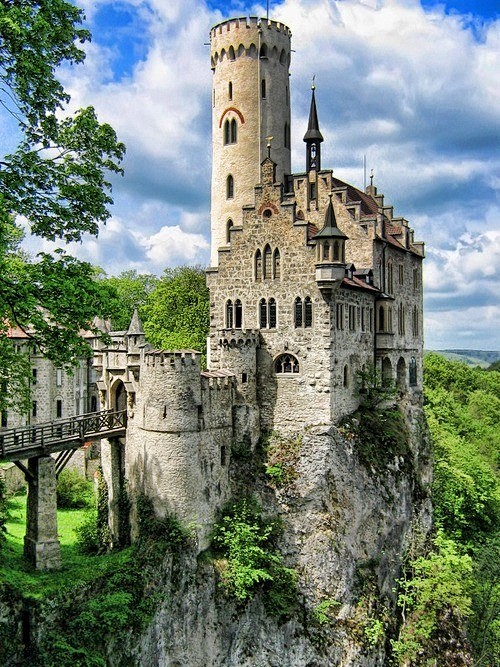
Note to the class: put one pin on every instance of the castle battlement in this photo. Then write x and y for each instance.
(248, 22)
(176, 359)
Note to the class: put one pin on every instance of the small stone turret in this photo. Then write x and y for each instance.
(330, 253)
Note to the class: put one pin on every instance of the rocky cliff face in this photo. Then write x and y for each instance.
(346, 526)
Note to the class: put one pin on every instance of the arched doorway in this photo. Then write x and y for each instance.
(401, 375)
(386, 371)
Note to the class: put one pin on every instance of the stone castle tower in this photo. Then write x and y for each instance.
(250, 107)
(311, 281)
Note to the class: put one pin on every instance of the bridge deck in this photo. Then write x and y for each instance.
(41, 439)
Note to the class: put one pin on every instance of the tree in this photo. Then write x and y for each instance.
(177, 311)
(132, 290)
(56, 179)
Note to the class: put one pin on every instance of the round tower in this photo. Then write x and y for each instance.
(250, 60)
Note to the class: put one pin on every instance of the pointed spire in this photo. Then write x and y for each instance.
(135, 326)
(313, 132)
(330, 228)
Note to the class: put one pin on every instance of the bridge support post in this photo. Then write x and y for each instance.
(41, 546)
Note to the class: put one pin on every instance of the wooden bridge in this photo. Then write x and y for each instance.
(37, 444)
(62, 434)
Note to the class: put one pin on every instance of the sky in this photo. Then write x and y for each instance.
(411, 84)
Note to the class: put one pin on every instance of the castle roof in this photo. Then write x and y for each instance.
(330, 229)
(135, 326)
(313, 132)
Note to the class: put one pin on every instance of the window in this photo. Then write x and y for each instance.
(415, 326)
(230, 90)
(298, 312)
(346, 376)
(58, 408)
(230, 187)
(263, 314)
(272, 313)
(381, 319)
(229, 224)
(230, 54)
(229, 315)
(363, 318)
(230, 131)
(352, 318)
(276, 264)
(326, 251)
(286, 363)
(312, 191)
(258, 265)
(390, 278)
(263, 89)
(263, 51)
(340, 316)
(336, 252)
(34, 373)
(238, 314)
(412, 372)
(267, 261)
(33, 408)
(416, 279)
(93, 404)
(286, 136)
(267, 314)
(59, 377)
(308, 313)
(401, 274)
(401, 319)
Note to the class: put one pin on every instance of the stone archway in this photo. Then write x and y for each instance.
(119, 520)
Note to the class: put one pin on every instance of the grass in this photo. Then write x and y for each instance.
(76, 567)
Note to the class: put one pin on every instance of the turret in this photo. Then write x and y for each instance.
(313, 138)
(330, 253)
(250, 108)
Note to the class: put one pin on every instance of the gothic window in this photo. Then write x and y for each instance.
(263, 51)
(298, 312)
(267, 262)
(381, 319)
(312, 186)
(416, 279)
(286, 363)
(229, 224)
(401, 274)
(389, 319)
(326, 251)
(234, 131)
(286, 137)
(230, 131)
(230, 90)
(277, 264)
(272, 313)
(263, 314)
(238, 314)
(263, 89)
(412, 372)
(340, 316)
(59, 377)
(258, 265)
(363, 318)
(227, 133)
(230, 53)
(414, 322)
(401, 319)
(229, 314)
(346, 376)
(336, 251)
(352, 318)
(58, 409)
(230, 187)
(308, 313)
(390, 278)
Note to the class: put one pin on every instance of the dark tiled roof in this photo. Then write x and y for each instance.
(356, 283)
(368, 204)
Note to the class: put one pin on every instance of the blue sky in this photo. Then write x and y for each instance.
(411, 84)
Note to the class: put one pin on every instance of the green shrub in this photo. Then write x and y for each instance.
(281, 458)
(73, 490)
(251, 563)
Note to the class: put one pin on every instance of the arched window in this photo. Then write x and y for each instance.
(401, 374)
(258, 265)
(308, 313)
(229, 314)
(286, 363)
(230, 90)
(234, 130)
(227, 133)
(238, 314)
(263, 51)
(230, 132)
(230, 187)
(412, 372)
(414, 322)
(390, 278)
(267, 262)
(272, 313)
(298, 312)
(229, 224)
(381, 319)
(230, 53)
(346, 376)
(386, 371)
(336, 251)
(276, 264)
(326, 251)
(401, 319)
(263, 314)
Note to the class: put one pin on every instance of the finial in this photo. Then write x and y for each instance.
(371, 177)
(313, 86)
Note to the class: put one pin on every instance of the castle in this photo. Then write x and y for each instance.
(311, 281)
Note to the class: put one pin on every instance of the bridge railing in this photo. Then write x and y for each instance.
(51, 434)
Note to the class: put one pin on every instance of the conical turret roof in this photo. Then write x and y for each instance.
(330, 228)
(313, 132)
(135, 326)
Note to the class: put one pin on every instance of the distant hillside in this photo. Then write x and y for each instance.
(481, 358)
